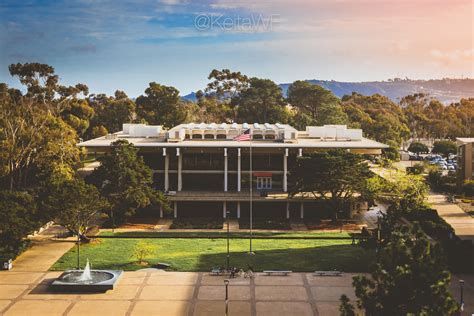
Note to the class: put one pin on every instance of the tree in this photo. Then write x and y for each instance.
(403, 192)
(414, 109)
(418, 148)
(226, 84)
(18, 218)
(321, 105)
(261, 102)
(33, 141)
(444, 147)
(125, 181)
(335, 176)
(37, 127)
(210, 109)
(161, 105)
(379, 117)
(74, 205)
(411, 277)
(110, 113)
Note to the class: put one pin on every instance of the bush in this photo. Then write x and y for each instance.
(459, 253)
(431, 223)
(468, 188)
(265, 223)
(418, 148)
(434, 179)
(418, 168)
(142, 250)
(197, 223)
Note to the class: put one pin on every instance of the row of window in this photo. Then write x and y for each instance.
(224, 136)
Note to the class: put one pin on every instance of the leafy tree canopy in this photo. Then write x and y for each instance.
(410, 278)
(321, 105)
(73, 204)
(261, 102)
(418, 148)
(161, 105)
(226, 84)
(444, 147)
(335, 175)
(18, 218)
(125, 180)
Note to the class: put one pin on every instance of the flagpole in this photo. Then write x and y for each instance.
(251, 196)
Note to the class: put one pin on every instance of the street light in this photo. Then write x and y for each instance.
(228, 255)
(461, 282)
(226, 283)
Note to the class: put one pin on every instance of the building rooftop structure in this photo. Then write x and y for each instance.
(223, 134)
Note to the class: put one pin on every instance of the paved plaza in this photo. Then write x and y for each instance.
(25, 291)
(154, 292)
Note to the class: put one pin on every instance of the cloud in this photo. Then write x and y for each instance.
(451, 57)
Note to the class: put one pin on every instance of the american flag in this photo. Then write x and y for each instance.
(244, 136)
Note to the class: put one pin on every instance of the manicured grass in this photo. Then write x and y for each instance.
(201, 254)
(223, 234)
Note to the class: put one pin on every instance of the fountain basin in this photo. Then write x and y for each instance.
(101, 281)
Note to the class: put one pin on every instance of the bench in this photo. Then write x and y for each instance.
(273, 272)
(215, 272)
(328, 273)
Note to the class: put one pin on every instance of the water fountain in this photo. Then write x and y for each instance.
(87, 280)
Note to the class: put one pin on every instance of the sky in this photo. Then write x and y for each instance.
(114, 44)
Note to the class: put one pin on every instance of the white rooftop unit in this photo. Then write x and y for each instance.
(141, 130)
(338, 132)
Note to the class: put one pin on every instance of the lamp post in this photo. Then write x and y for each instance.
(78, 250)
(228, 231)
(226, 283)
(461, 283)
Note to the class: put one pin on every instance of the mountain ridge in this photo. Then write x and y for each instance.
(445, 90)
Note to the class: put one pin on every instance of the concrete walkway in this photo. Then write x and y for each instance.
(42, 255)
(462, 223)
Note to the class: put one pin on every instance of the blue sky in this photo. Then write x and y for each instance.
(124, 45)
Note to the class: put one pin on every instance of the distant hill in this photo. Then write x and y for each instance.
(445, 90)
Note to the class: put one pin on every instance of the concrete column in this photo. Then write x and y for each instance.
(180, 167)
(285, 171)
(300, 152)
(287, 209)
(238, 209)
(224, 209)
(161, 211)
(167, 167)
(225, 169)
(302, 210)
(239, 182)
(175, 210)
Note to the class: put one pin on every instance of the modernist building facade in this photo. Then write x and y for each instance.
(465, 158)
(206, 172)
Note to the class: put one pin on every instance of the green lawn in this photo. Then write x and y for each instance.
(223, 234)
(202, 254)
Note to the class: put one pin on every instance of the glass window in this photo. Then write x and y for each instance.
(264, 183)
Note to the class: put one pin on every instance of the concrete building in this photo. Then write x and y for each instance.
(205, 172)
(465, 158)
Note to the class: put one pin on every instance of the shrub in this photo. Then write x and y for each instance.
(142, 250)
(468, 188)
(418, 168)
(197, 223)
(265, 223)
